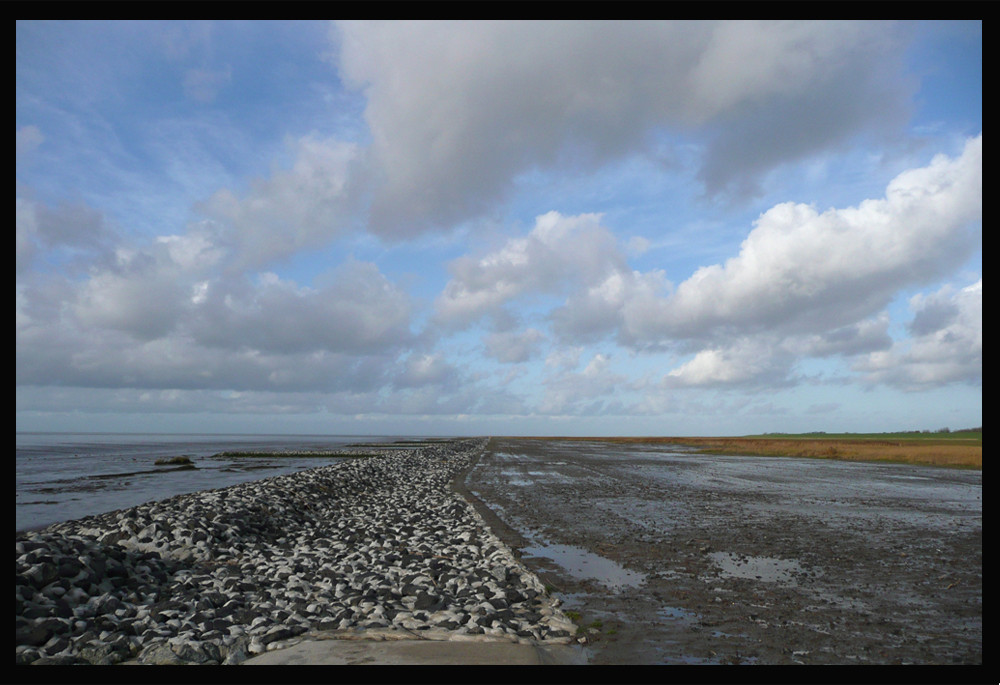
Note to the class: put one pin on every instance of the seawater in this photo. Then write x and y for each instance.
(66, 476)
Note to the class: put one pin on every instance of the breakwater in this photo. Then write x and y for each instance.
(213, 577)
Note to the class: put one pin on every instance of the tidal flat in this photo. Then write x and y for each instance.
(736, 559)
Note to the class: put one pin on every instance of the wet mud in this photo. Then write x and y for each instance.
(665, 556)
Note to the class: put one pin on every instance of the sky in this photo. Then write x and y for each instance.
(498, 228)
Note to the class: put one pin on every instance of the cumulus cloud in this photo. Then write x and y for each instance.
(946, 347)
(65, 357)
(558, 252)
(564, 358)
(459, 115)
(860, 338)
(804, 284)
(169, 315)
(589, 391)
(934, 312)
(68, 226)
(788, 89)
(302, 207)
(592, 312)
(425, 369)
(744, 362)
(358, 311)
(136, 295)
(458, 109)
(511, 347)
(800, 270)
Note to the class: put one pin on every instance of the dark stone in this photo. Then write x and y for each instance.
(59, 645)
(61, 660)
(160, 654)
(198, 652)
(36, 633)
(36, 611)
(244, 616)
(105, 653)
(513, 596)
(108, 604)
(219, 624)
(282, 633)
(426, 601)
(98, 564)
(42, 574)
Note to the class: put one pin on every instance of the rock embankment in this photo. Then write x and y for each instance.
(217, 576)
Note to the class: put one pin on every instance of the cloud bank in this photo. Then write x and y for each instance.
(513, 171)
(457, 110)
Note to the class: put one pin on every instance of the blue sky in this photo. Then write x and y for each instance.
(575, 228)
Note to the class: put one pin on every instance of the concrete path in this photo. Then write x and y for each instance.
(418, 652)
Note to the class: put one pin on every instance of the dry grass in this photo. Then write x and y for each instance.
(930, 452)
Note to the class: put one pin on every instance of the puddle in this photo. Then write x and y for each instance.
(584, 564)
(516, 481)
(757, 568)
(517, 477)
(675, 614)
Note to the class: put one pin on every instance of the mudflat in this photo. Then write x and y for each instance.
(664, 555)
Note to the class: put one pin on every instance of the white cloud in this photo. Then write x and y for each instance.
(564, 358)
(138, 296)
(167, 316)
(67, 227)
(860, 338)
(803, 271)
(590, 391)
(604, 306)
(359, 311)
(131, 294)
(558, 252)
(511, 347)
(805, 283)
(946, 347)
(789, 89)
(596, 366)
(192, 251)
(298, 208)
(458, 109)
(425, 369)
(747, 361)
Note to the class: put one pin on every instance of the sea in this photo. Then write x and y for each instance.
(67, 476)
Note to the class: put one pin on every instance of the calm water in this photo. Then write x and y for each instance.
(64, 476)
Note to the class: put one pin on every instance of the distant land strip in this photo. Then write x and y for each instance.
(959, 449)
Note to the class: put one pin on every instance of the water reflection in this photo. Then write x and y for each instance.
(582, 563)
(767, 569)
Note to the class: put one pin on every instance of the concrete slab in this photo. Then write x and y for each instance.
(418, 652)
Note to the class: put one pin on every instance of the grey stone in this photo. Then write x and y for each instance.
(321, 549)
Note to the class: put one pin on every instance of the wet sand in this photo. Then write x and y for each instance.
(678, 558)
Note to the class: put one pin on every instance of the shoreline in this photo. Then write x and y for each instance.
(218, 576)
